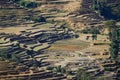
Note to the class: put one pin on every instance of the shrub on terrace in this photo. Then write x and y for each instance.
(60, 69)
(28, 4)
(82, 75)
(40, 19)
(90, 31)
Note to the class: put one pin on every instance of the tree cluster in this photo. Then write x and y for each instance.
(110, 10)
(114, 46)
(114, 36)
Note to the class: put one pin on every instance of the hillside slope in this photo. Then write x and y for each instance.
(52, 49)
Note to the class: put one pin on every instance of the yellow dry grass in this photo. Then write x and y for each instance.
(13, 30)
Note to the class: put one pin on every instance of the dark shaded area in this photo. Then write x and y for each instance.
(108, 8)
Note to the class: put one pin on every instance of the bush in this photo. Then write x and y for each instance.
(40, 19)
(60, 69)
(49, 68)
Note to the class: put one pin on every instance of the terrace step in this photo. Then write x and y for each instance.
(39, 75)
(44, 46)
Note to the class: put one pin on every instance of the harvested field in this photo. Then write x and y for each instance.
(11, 11)
(13, 30)
(72, 44)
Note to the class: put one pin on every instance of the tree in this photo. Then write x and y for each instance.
(94, 36)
